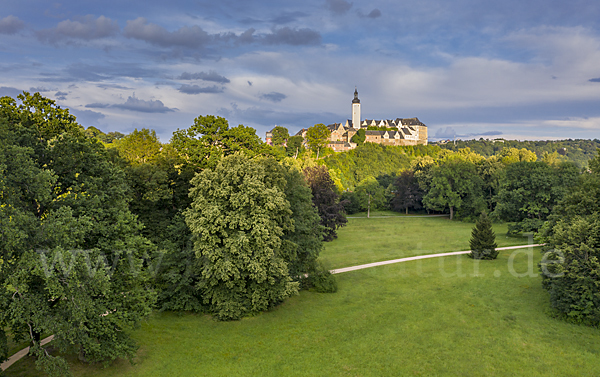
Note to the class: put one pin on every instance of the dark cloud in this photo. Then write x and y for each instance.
(98, 73)
(287, 17)
(113, 86)
(210, 76)
(87, 117)
(97, 105)
(10, 25)
(595, 80)
(195, 38)
(136, 104)
(190, 37)
(61, 95)
(294, 37)
(39, 89)
(195, 89)
(250, 21)
(84, 28)
(247, 36)
(338, 6)
(273, 96)
(7, 91)
(375, 13)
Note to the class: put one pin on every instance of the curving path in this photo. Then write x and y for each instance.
(383, 263)
(22, 353)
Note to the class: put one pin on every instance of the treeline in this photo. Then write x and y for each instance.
(511, 186)
(97, 230)
(578, 151)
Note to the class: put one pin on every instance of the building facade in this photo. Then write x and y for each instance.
(399, 131)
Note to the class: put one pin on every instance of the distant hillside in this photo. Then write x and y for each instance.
(578, 151)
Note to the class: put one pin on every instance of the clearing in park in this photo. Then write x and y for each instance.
(443, 316)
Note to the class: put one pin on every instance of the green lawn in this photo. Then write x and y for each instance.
(436, 317)
(365, 240)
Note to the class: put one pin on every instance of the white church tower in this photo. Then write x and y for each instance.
(356, 110)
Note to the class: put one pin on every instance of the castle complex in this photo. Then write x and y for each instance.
(399, 131)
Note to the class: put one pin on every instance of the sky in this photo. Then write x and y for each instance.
(513, 69)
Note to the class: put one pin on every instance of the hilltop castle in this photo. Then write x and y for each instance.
(399, 131)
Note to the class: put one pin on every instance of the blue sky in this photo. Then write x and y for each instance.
(514, 69)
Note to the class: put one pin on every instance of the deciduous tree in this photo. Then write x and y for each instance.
(317, 137)
(294, 146)
(238, 217)
(73, 256)
(325, 198)
(407, 193)
(530, 190)
(370, 195)
(453, 184)
(139, 146)
(280, 136)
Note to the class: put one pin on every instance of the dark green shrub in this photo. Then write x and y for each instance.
(350, 202)
(322, 281)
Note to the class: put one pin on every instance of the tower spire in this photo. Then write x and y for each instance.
(356, 110)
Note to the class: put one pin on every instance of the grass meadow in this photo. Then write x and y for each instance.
(448, 316)
(383, 238)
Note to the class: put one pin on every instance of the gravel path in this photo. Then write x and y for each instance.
(22, 353)
(383, 263)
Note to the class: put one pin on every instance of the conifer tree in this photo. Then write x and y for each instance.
(483, 239)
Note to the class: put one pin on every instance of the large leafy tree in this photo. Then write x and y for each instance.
(304, 241)
(210, 138)
(139, 146)
(280, 136)
(317, 137)
(359, 137)
(530, 190)
(370, 195)
(491, 172)
(72, 254)
(294, 146)
(454, 185)
(513, 155)
(325, 199)
(238, 216)
(571, 266)
(407, 193)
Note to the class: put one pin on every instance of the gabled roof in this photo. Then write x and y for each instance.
(371, 132)
(299, 133)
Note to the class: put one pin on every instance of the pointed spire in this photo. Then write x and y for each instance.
(355, 100)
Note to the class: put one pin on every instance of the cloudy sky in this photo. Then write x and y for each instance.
(467, 68)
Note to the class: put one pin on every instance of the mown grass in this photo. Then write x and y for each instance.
(448, 316)
(377, 239)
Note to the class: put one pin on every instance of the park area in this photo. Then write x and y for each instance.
(440, 316)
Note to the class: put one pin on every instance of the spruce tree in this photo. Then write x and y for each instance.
(483, 239)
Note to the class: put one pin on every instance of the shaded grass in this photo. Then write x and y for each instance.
(365, 240)
(445, 317)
